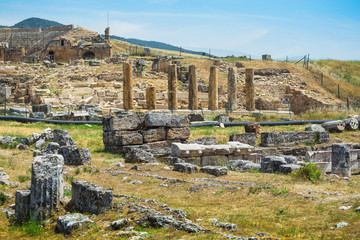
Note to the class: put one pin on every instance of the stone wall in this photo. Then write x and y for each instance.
(150, 130)
(271, 139)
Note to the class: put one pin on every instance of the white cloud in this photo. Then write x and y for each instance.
(126, 29)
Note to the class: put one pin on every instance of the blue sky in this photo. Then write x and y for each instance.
(325, 29)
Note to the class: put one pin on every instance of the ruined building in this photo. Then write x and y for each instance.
(54, 43)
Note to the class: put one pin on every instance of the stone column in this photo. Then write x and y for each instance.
(213, 88)
(172, 87)
(193, 89)
(128, 87)
(249, 89)
(150, 98)
(341, 159)
(232, 98)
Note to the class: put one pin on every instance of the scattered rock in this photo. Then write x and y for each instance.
(344, 207)
(271, 164)
(288, 168)
(139, 156)
(118, 164)
(315, 128)
(118, 224)
(185, 168)
(214, 170)
(136, 182)
(68, 223)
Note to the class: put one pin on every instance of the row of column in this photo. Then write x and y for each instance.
(193, 89)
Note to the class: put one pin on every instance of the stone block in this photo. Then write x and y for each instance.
(47, 184)
(186, 150)
(214, 170)
(247, 138)
(251, 166)
(39, 115)
(139, 156)
(222, 149)
(22, 206)
(216, 160)
(70, 222)
(75, 156)
(123, 122)
(193, 160)
(240, 148)
(53, 148)
(180, 133)
(195, 117)
(154, 135)
(270, 139)
(290, 159)
(288, 168)
(166, 120)
(341, 159)
(63, 138)
(205, 141)
(236, 165)
(185, 168)
(271, 164)
(45, 108)
(88, 197)
(315, 128)
(129, 139)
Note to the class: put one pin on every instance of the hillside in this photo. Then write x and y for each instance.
(345, 74)
(34, 23)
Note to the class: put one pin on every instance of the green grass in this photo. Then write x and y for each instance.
(308, 172)
(22, 178)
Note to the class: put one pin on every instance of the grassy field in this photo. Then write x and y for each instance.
(282, 206)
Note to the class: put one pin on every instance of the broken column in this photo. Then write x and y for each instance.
(172, 84)
(213, 89)
(47, 185)
(193, 89)
(150, 98)
(232, 89)
(341, 159)
(249, 89)
(128, 86)
(22, 206)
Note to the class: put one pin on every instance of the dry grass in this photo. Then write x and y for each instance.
(284, 209)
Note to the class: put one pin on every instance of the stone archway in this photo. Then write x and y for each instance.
(88, 55)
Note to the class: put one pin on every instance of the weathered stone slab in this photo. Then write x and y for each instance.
(236, 164)
(139, 156)
(270, 139)
(182, 133)
(341, 159)
(70, 222)
(251, 166)
(63, 138)
(22, 206)
(205, 141)
(75, 156)
(315, 128)
(129, 139)
(222, 149)
(240, 148)
(271, 164)
(153, 120)
(193, 160)
(154, 135)
(288, 168)
(88, 197)
(216, 160)
(123, 122)
(45, 108)
(46, 184)
(248, 138)
(290, 159)
(185, 168)
(214, 170)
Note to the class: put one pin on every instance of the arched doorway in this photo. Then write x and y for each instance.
(88, 55)
(51, 55)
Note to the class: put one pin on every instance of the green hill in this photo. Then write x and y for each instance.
(34, 23)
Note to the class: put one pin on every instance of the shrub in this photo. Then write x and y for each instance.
(308, 172)
(32, 227)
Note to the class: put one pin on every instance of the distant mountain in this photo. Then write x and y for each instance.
(43, 23)
(34, 23)
(155, 44)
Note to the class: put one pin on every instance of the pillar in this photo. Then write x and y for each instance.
(150, 98)
(232, 97)
(193, 89)
(128, 86)
(213, 89)
(340, 160)
(249, 89)
(107, 33)
(172, 86)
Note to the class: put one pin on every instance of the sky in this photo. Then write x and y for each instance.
(325, 29)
